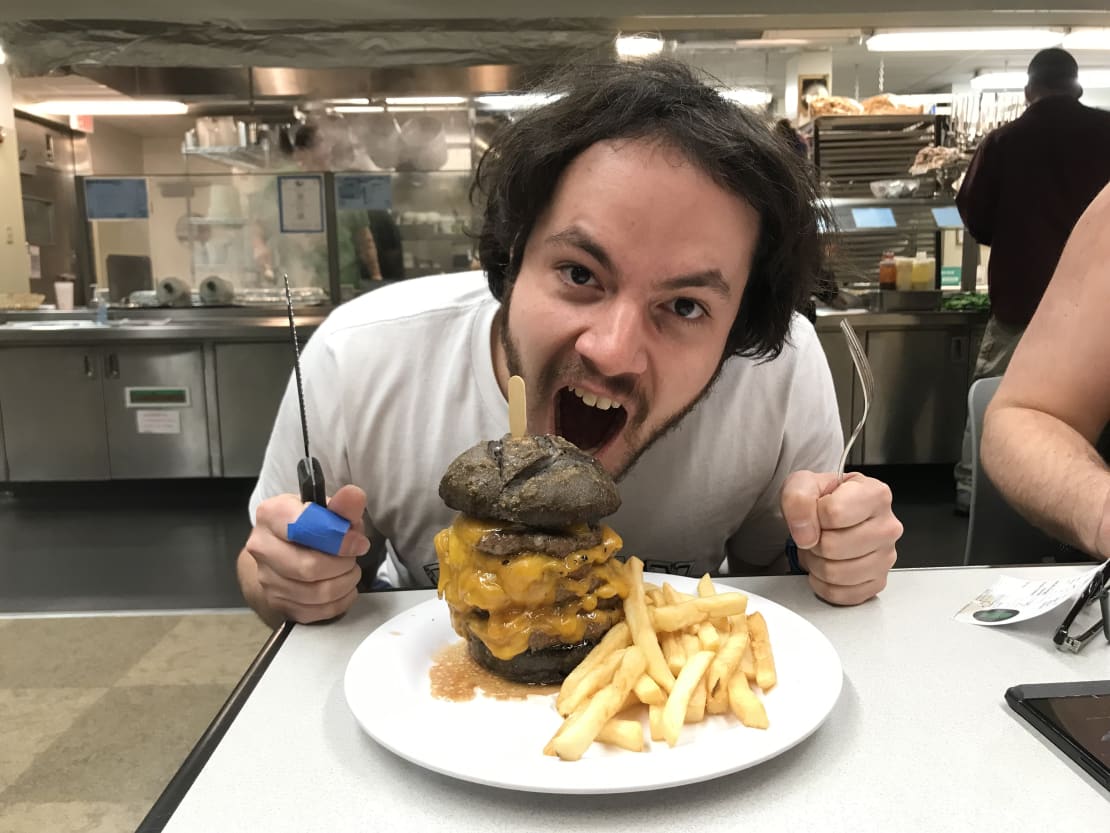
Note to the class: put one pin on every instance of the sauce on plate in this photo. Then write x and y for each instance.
(455, 676)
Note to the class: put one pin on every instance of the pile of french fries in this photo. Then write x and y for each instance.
(681, 656)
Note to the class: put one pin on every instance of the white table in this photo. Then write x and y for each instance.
(920, 740)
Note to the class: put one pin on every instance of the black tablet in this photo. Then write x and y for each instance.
(1074, 716)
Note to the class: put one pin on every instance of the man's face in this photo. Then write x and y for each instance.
(629, 285)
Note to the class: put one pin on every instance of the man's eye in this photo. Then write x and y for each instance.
(687, 309)
(577, 275)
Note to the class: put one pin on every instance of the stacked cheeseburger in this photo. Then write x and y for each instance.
(526, 568)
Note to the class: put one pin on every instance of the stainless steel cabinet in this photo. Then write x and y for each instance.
(920, 395)
(95, 413)
(156, 413)
(250, 381)
(53, 404)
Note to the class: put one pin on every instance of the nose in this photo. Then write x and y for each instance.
(615, 340)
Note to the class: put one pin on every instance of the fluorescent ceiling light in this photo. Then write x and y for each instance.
(426, 100)
(1089, 79)
(109, 107)
(638, 46)
(515, 101)
(963, 40)
(1087, 39)
(348, 102)
(358, 108)
(747, 96)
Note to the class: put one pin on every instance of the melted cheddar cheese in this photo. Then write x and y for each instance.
(507, 601)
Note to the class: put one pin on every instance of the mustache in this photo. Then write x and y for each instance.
(577, 371)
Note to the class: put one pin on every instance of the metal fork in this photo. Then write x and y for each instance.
(867, 381)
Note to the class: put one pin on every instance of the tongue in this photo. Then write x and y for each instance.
(585, 426)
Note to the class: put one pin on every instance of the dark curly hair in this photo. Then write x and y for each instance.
(661, 99)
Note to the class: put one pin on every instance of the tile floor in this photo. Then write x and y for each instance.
(99, 711)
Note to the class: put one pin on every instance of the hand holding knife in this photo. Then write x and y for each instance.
(317, 527)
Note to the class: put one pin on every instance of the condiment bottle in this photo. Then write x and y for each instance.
(888, 272)
(924, 272)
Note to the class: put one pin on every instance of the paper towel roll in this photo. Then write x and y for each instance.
(174, 292)
(214, 290)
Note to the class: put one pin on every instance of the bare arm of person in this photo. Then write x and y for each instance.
(1042, 424)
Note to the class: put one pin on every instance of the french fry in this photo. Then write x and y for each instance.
(683, 656)
(709, 637)
(673, 651)
(674, 713)
(575, 738)
(717, 702)
(765, 676)
(596, 679)
(627, 734)
(639, 624)
(616, 638)
(649, 692)
(655, 722)
(744, 704)
(725, 662)
(670, 595)
(690, 644)
(673, 617)
(695, 712)
(747, 662)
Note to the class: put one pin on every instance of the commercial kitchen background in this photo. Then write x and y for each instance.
(130, 427)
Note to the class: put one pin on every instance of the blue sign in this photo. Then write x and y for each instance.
(116, 198)
(873, 218)
(948, 217)
(363, 192)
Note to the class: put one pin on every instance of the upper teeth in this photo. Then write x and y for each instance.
(599, 402)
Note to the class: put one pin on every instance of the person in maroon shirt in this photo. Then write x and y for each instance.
(1028, 184)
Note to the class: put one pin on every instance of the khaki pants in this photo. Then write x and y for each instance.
(995, 351)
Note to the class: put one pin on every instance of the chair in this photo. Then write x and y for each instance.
(996, 533)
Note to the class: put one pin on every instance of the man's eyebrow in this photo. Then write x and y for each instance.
(577, 238)
(710, 279)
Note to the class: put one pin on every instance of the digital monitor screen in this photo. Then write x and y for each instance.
(948, 217)
(122, 198)
(873, 218)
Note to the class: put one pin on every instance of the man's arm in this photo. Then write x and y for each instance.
(1041, 426)
(978, 197)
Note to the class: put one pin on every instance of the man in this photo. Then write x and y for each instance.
(645, 239)
(1042, 425)
(1027, 185)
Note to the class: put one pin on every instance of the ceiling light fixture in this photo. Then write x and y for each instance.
(638, 46)
(963, 40)
(502, 102)
(348, 102)
(1089, 79)
(425, 100)
(1087, 38)
(747, 96)
(109, 107)
(359, 108)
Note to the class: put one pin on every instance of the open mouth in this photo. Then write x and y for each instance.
(587, 420)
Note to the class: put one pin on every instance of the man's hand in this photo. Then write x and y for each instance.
(297, 582)
(845, 532)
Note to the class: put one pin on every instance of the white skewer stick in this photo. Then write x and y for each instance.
(518, 407)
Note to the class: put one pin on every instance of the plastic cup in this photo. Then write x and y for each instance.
(63, 293)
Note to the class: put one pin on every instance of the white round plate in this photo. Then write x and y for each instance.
(500, 742)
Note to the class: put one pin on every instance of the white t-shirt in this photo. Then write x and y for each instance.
(400, 381)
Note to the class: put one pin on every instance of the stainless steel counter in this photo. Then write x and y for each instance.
(69, 408)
